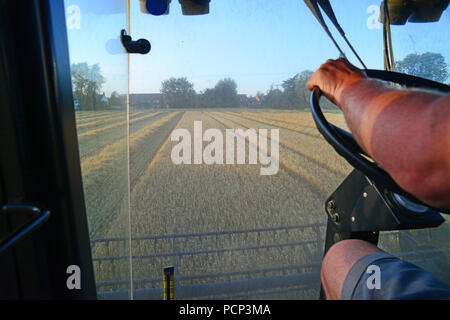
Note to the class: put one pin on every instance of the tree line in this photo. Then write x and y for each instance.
(180, 93)
(291, 94)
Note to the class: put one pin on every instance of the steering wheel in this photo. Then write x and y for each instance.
(346, 146)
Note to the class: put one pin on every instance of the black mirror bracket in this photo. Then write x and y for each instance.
(141, 46)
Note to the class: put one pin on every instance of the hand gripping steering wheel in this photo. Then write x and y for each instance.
(345, 145)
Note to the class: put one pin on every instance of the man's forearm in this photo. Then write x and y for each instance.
(407, 132)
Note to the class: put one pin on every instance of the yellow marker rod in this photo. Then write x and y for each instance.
(168, 283)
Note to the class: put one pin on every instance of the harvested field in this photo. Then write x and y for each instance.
(216, 222)
(105, 173)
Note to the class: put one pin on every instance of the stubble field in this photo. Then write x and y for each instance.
(214, 223)
(191, 215)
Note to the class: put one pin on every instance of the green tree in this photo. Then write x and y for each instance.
(427, 65)
(207, 99)
(225, 92)
(87, 83)
(302, 94)
(295, 92)
(223, 95)
(290, 92)
(274, 98)
(178, 93)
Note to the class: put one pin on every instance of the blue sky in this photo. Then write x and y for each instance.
(257, 43)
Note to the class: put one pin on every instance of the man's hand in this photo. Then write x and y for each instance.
(333, 77)
(407, 132)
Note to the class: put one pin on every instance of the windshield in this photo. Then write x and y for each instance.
(203, 155)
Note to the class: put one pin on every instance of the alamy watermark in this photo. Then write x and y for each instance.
(73, 17)
(74, 279)
(374, 14)
(374, 280)
(235, 140)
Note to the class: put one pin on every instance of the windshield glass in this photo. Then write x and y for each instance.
(228, 174)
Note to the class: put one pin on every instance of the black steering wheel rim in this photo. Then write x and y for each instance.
(345, 145)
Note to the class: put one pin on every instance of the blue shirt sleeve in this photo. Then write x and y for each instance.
(381, 276)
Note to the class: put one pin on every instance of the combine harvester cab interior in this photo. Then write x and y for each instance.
(164, 149)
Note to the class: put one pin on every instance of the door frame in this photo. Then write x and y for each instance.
(39, 158)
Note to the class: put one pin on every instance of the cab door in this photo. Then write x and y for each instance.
(44, 243)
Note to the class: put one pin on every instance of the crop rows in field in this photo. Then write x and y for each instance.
(185, 199)
(105, 178)
(168, 198)
(312, 147)
(204, 189)
(105, 175)
(95, 139)
(304, 156)
(199, 198)
(96, 126)
(307, 131)
(301, 118)
(80, 115)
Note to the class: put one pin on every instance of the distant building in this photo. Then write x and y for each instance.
(249, 102)
(254, 102)
(146, 100)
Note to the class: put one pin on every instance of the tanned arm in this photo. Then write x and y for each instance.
(406, 131)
